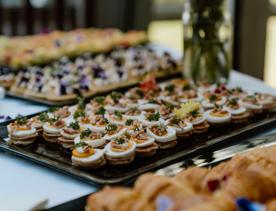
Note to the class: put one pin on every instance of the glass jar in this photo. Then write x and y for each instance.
(207, 40)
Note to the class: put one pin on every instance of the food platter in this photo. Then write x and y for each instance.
(121, 87)
(51, 157)
(62, 81)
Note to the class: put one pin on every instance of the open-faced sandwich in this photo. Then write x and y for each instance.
(93, 139)
(145, 144)
(218, 116)
(239, 114)
(192, 112)
(21, 132)
(85, 156)
(52, 129)
(68, 134)
(165, 136)
(120, 151)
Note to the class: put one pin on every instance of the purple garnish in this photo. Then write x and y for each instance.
(2, 117)
(62, 89)
(98, 72)
(243, 204)
(120, 73)
(79, 38)
(57, 43)
(163, 203)
(64, 83)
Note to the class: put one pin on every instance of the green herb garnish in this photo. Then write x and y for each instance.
(74, 125)
(152, 101)
(53, 109)
(175, 120)
(129, 122)
(80, 144)
(213, 98)
(120, 140)
(43, 117)
(81, 103)
(85, 133)
(233, 102)
(105, 120)
(20, 120)
(118, 114)
(54, 119)
(78, 114)
(170, 88)
(170, 106)
(111, 127)
(154, 117)
(100, 111)
(186, 87)
(194, 113)
(99, 99)
(116, 96)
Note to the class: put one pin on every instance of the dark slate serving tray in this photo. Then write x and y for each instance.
(204, 159)
(50, 156)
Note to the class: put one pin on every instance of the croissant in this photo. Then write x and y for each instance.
(193, 178)
(150, 186)
(110, 199)
(218, 202)
(254, 183)
(271, 205)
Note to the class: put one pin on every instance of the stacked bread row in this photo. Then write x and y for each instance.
(247, 180)
(42, 48)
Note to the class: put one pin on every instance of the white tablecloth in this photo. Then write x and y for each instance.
(23, 183)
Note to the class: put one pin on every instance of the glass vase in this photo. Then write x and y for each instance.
(207, 40)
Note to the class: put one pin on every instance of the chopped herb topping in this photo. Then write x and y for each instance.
(53, 109)
(213, 98)
(175, 120)
(20, 120)
(170, 106)
(170, 88)
(80, 144)
(105, 120)
(85, 133)
(78, 114)
(129, 122)
(194, 113)
(74, 125)
(118, 114)
(100, 111)
(116, 96)
(152, 101)
(43, 117)
(81, 103)
(186, 87)
(233, 102)
(111, 127)
(53, 119)
(120, 140)
(239, 89)
(99, 99)
(154, 117)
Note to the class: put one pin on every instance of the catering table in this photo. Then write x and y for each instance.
(23, 184)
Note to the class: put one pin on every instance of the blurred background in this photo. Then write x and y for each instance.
(254, 49)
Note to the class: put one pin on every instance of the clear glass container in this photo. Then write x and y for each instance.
(207, 40)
